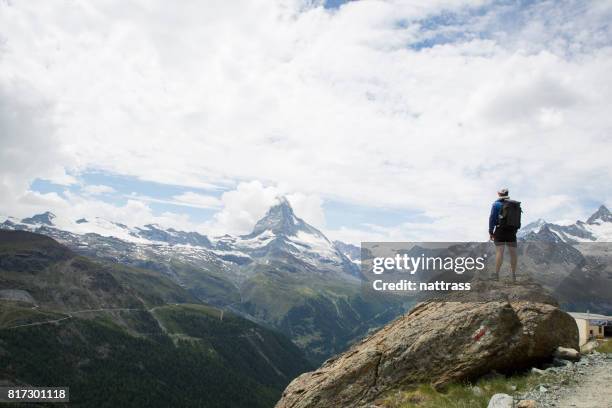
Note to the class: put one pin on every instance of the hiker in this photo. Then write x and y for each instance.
(504, 221)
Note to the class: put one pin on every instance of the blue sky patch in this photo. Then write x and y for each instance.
(159, 196)
(339, 214)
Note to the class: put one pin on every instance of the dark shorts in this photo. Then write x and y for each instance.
(504, 236)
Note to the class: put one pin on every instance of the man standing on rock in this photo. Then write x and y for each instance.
(504, 221)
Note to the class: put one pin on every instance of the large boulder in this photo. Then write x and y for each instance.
(454, 338)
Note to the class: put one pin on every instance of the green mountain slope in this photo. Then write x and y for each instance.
(121, 336)
(322, 314)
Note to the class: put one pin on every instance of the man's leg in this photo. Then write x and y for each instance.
(499, 258)
(513, 260)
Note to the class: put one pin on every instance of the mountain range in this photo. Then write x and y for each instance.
(285, 274)
(597, 228)
(279, 233)
(138, 308)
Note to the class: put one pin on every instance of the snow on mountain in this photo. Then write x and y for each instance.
(249, 242)
(104, 228)
(280, 235)
(534, 227)
(8, 219)
(316, 243)
(280, 219)
(352, 252)
(597, 228)
(43, 219)
(147, 234)
(171, 236)
(601, 216)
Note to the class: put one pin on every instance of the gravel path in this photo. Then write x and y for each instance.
(585, 384)
(594, 390)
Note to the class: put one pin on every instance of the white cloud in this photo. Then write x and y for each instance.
(249, 202)
(242, 208)
(315, 103)
(29, 146)
(308, 207)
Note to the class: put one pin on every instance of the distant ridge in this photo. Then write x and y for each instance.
(597, 228)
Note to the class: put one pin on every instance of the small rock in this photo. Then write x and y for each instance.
(567, 353)
(557, 362)
(535, 370)
(527, 404)
(542, 389)
(500, 401)
(477, 391)
(513, 387)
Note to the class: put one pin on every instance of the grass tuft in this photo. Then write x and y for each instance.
(605, 346)
(465, 395)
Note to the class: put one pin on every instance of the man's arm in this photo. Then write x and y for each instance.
(493, 217)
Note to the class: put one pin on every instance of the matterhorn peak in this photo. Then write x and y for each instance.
(280, 219)
(282, 206)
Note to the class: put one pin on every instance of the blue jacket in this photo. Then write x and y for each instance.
(494, 217)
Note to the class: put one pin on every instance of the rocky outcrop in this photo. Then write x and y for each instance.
(495, 327)
(16, 295)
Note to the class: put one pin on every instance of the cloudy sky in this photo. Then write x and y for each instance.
(380, 120)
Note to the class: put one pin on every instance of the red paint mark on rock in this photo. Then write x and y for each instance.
(480, 333)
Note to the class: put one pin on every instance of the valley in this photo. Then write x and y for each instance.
(285, 274)
(99, 326)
